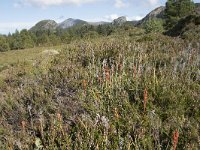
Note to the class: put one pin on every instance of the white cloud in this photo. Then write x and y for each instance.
(115, 16)
(134, 18)
(12, 26)
(111, 17)
(153, 2)
(45, 3)
(121, 4)
(60, 19)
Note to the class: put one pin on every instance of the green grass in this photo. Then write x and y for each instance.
(15, 56)
(24, 59)
(116, 92)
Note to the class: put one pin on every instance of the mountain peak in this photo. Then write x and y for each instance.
(70, 19)
(157, 13)
(119, 21)
(70, 22)
(45, 25)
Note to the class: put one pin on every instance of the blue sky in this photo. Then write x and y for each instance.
(19, 14)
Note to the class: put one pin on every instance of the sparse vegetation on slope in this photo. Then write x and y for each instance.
(110, 87)
(117, 92)
(187, 28)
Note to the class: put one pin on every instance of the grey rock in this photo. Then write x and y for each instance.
(157, 13)
(45, 25)
(119, 21)
(70, 23)
(197, 8)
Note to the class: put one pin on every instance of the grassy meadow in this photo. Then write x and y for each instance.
(11, 59)
(130, 91)
(16, 56)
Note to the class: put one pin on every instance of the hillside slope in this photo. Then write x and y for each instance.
(70, 23)
(187, 28)
(116, 92)
(45, 25)
(157, 13)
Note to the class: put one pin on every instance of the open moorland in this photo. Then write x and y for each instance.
(122, 86)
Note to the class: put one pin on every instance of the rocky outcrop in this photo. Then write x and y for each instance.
(70, 23)
(197, 9)
(157, 13)
(45, 25)
(119, 21)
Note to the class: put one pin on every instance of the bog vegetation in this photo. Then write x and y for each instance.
(127, 89)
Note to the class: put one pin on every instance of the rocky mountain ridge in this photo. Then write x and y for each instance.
(157, 13)
(45, 25)
(119, 21)
(70, 23)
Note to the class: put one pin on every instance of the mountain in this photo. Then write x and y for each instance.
(134, 22)
(157, 13)
(197, 4)
(70, 23)
(45, 25)
(119, 21)
(197, 8)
